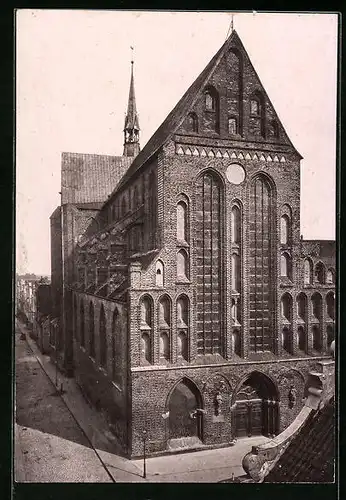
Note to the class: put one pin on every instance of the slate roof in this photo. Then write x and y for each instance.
(309, 458)
(178, 113)
(90, 178)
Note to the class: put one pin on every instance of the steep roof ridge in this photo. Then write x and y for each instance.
(267, 96)
(169, 125)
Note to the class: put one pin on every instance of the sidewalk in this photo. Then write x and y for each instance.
(202, 466)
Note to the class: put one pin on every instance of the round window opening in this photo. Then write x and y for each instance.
(235, 173)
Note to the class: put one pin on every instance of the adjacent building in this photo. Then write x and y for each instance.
(189, 308)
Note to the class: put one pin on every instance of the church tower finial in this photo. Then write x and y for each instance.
(131, 127)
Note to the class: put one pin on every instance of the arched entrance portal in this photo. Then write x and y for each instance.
(184, 419)
(256, 407)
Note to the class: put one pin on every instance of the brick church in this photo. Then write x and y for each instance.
(187, 304)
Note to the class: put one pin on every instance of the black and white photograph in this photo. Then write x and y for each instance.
(176, 271)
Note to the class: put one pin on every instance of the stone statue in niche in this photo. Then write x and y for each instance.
(292, 397)
(217, 403)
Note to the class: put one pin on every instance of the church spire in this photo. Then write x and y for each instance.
(131, 127)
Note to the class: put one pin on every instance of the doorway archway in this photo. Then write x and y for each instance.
(185, 421)
(256, 410)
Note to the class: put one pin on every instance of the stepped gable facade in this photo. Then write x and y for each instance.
(196, 308)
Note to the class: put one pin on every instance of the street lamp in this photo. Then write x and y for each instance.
(144, 436)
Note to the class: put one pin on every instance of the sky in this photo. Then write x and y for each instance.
(72, 84)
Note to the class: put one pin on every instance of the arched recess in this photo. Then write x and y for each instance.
(103, 338)
(320, 273)
(308, 271)
(185, 419)
(284, 229)
(286, 308)
(182, 265)
(286, 265)
(262, 279)
(316, 302)
(91, 331)
(182, 221)
(209, 261)
(330, 335)
(159, 274)
(330, 279)
(183, 326)
(302, 307)
(164, 326)
(302, 338)
(317, 338)
(236, 224)
(255, 406)
(146, 325)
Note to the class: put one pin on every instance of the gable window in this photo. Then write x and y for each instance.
(320, 273)
(330, 277)
(192, 122)
(209, 101)
(254, 107)
(232, 126)
(273, 129)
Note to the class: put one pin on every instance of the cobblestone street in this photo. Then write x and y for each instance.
(60, 438)
(50, 446)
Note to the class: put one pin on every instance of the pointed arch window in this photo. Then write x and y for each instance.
(210, 101)
(91, 331)
(320, 273)
(192, 122)
(235, 225)
(285, 230)
(257, 113)
(182, 212)
(286, 268)
(316, 302)
(82, 325)
(146, 328)
(182, 265)
(159, 273)
(182, 345)
(307, 272)
(146, 314)
(286, 307)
